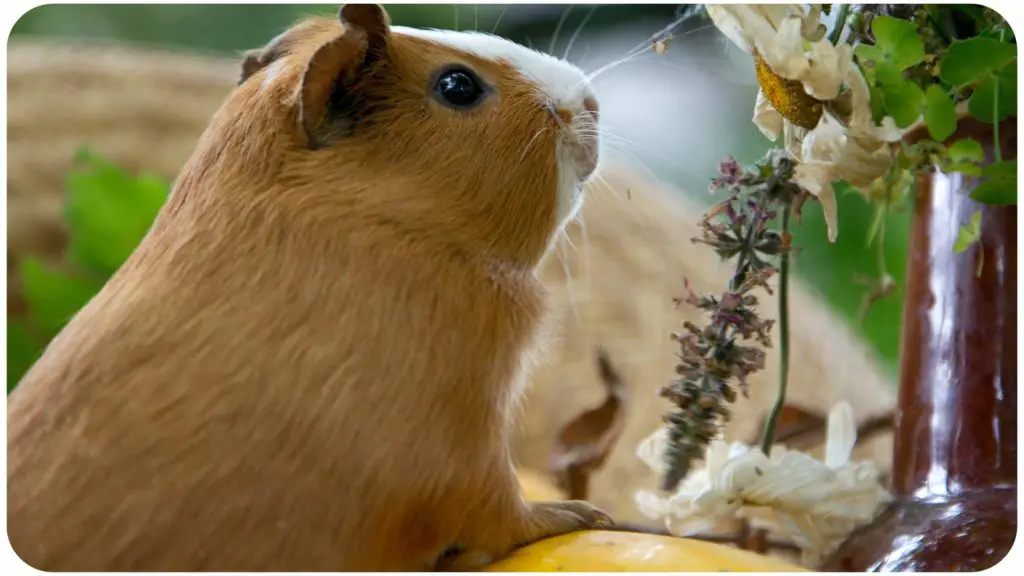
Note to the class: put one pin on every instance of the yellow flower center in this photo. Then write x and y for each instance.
(787, 96)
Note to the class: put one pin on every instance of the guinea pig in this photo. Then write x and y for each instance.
(312, 360)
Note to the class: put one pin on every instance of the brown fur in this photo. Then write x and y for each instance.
(309, 362)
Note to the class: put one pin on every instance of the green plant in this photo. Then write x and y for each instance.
(852, 106)
(938, 64)
(108, 211)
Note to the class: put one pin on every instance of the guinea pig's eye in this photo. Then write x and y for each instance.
(459, 88)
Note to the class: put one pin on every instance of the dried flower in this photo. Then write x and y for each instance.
(713, 360)
(800, 98)
(816, 504)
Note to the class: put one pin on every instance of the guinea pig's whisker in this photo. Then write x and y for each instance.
(568, 275)
(629, 192)
(601, 136)
(530, 143)
(586, 247)
(568, 240)
(455, 7)
(579, 29)
(558, 28)
(615, 64)
(635, 159)
(606, 135)
(476, 17)
(494, 29)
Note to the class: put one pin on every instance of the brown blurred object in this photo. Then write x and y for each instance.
(584, 444)
(612, 288)
(144, 109)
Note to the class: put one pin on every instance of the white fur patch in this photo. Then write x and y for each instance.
(563, 83)
(558, 82)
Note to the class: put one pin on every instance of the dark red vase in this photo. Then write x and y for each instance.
(955, 455)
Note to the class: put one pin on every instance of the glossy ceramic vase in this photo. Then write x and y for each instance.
(955, 452)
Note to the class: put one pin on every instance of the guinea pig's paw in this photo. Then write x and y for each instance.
(590, 516)
(555, 518)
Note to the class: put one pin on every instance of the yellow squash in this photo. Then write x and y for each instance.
(600, 551)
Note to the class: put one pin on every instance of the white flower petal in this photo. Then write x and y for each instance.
(716, 503)
(798, 482)
(651, 505)
(825, 143)
(813, 30)
(828, 68)
(740, 472)
(652, 449)
(784, 53)
(862, 125)
(841, 436)
(750, 25)
(767, 118)
(696, 524)
(816, 178)
(889, 132)
(729, 23)
(793, 140)
(716, 455)
(737, 449)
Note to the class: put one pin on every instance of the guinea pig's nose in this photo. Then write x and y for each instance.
(590, 105)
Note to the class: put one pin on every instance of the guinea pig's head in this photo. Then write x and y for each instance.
(458, 136)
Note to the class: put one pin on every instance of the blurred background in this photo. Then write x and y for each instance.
(676, 114)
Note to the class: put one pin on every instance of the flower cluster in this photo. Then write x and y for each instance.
(814, 503)
(814, 97)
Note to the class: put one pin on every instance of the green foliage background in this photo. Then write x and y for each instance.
(109, 211)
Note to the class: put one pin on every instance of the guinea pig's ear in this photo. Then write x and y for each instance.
(255, 60)
(335, 67)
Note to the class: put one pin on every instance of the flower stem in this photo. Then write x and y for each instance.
(769, 426)
(837, 30)
(996, 149)
(880, 241)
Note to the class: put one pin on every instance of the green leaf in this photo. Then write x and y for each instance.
(109, 212)
(968, 61)
(22, 352)
(965, 168)
(966, 150)
(53, 297)
(939, 113)
(969, 234)
(888, 75)
(898, 40)
(995, 98)
(869, 53)
(905, 157)
(903, 102)
(877, 104)
(996, 192)
(1007, 169)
